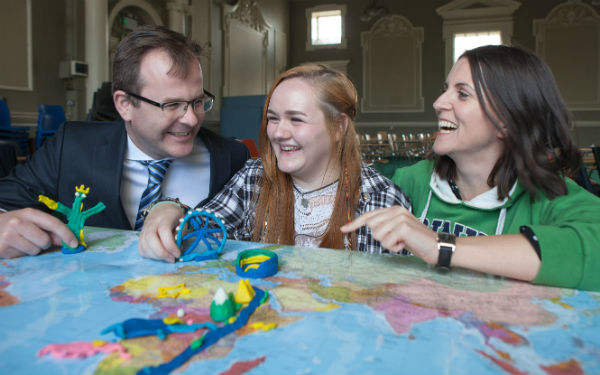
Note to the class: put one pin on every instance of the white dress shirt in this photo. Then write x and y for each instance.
(187, 178)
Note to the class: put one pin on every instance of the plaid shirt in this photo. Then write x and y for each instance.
(236, 207)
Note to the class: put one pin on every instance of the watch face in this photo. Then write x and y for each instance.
(446, 246)
(446, 238)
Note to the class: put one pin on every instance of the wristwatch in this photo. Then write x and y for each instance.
(446, 247)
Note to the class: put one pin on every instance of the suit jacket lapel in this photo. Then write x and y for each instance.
(108, 160)
(220, 164)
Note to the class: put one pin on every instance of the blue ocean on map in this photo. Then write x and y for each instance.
(353, 338)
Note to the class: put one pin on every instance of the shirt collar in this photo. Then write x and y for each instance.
(133, 152)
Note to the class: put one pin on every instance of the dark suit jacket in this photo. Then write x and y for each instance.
(92, 153)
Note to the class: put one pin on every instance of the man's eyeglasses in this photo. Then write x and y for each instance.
(179, 108)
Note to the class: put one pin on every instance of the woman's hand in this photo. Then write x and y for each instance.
(509, 255)
(396, 228)
(157, 239)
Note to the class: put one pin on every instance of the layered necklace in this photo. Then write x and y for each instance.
(306, 196)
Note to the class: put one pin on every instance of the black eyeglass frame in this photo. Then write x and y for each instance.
(187, 102)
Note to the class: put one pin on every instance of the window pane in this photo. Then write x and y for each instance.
(467, 41)
(326, 27)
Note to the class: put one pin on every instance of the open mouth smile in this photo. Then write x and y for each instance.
(446, 126)
(289, 148)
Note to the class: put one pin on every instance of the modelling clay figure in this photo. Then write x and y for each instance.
(152, 327)
(75, 216)
(222, 307)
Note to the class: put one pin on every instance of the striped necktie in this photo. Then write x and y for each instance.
(156, 173)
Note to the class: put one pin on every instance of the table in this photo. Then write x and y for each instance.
(336, 312)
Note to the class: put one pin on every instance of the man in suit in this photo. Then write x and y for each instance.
(158, 92)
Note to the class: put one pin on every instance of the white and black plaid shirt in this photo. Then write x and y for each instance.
(235, 206)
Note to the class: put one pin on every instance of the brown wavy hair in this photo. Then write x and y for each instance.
(517, 92)
(336, 95)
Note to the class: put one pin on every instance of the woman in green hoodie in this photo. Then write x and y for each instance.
(493, 197)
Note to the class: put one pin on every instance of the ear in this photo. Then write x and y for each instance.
(123, 104)
(342, 123)
(502, 132)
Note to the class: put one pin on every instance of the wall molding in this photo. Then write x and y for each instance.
(143, 5)
(587, 124)
(16, 69)
(396, 124)
(429, 124)
(245, 43)
(559, 38)
(24, 118)
(392, 78)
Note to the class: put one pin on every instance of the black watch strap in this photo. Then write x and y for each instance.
(446, 247)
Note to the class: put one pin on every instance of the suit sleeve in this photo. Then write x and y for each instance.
(38, 175)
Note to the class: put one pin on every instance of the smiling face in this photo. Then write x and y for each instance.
(298, 133)
(155, 132)
(465, 132)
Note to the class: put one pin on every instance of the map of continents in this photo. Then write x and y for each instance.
(316, 285)
(333, 312)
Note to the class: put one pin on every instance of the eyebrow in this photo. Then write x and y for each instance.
(464, 84)
(171, 100)
(289, 113)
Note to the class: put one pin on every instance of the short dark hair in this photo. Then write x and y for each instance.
(132, 49)
(517, 92)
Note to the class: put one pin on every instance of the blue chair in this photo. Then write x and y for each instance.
(17, 134)
(50, 117)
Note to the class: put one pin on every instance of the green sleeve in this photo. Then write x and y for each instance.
(569, 236)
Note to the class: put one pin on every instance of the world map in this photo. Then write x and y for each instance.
(333, 312)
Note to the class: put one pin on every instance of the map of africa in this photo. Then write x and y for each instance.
(334, 312)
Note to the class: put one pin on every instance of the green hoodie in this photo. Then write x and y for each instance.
(567, 227)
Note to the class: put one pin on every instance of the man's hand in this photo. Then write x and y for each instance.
(29, 231)
(157, 239)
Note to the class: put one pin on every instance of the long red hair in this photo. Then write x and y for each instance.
(336, 96)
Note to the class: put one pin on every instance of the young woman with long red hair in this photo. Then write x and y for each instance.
(307, 183)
